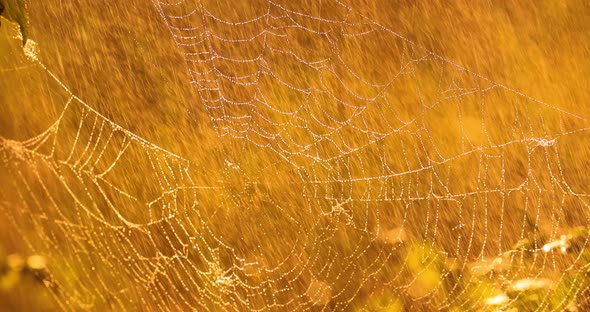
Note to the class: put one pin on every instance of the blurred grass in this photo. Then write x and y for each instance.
(120, 58)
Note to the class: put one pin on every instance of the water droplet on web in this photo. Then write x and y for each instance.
(31, 50)
(36, 262)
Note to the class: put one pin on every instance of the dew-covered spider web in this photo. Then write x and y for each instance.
(360, 171)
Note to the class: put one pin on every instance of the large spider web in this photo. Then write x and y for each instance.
(362, 171)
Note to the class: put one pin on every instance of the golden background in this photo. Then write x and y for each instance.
(455, 187)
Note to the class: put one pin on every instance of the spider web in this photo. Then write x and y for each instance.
(362, 171)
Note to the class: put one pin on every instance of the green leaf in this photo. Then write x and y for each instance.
(16, 11)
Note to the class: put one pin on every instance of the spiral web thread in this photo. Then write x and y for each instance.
(416, 181)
